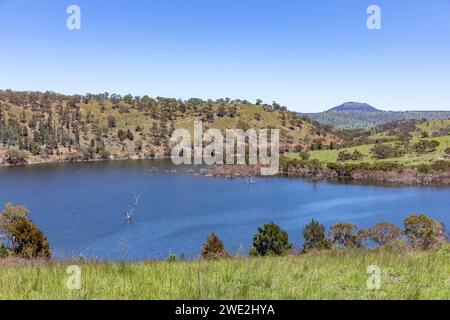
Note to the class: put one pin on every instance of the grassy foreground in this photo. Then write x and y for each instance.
(330, 275)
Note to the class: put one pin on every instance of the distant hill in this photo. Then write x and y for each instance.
(354, 115)
(354, 107)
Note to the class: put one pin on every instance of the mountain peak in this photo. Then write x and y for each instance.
(355, 107)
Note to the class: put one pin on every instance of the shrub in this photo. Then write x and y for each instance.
(314, 235)
(423, 232)
(447, 151)
(16, 157)
(214, 248)
(111, 122)
(304, 155)
(347, 156)
(172, 258)
(384, 234)
(271, 240)
(121, 135)
(385, 151)
(346, 235)
(26, 239)
(426, 146)
(4, 251)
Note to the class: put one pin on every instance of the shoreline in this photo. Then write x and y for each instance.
(406, 177)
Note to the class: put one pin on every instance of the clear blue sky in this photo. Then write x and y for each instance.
(306, 54)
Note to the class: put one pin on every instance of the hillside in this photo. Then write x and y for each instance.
(402, 136)
(360, 115)
(337, 274)
(46, 127)
(411, 152)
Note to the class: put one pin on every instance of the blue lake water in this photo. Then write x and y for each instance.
(80, 207)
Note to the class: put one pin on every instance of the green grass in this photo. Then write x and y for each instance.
(407, 159)
(328, 275)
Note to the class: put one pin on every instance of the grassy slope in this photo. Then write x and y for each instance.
(407, 159)
(329, 275)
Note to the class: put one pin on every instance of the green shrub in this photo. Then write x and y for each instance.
(172, 258)
(214, 248)
(4, 251)
(347, 156)
(271, 240)
(426, 146)
(423, 232)
(314, 237)
(385, 151)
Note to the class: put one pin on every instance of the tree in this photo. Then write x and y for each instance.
(423, 232)
(271, 240)
(346, 235)
(314, 235)
(25, 238)
(384, 233)
(214, 248)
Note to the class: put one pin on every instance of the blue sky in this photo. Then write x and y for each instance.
(308, 55)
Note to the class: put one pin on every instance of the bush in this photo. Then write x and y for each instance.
(347, 156)
(4, 251)
(425, 146)
(346, 235)
(384, 234)
(16, 157)
(314, 235)
(111, 122)
(271, 240)
(214, 248)
(423, 232)
(304, 155)
(26, 240)
(385, 151)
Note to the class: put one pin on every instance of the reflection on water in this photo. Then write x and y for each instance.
(81, 206)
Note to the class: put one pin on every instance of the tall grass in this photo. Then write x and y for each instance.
(326, 275)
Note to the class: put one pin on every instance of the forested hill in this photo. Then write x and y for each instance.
(46, 127)
(349, 119)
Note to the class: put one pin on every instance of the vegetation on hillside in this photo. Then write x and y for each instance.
(422, 147)
(43, 127)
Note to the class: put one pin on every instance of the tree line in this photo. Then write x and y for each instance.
(420, 232)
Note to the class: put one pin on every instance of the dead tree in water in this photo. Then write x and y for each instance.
(130, 214)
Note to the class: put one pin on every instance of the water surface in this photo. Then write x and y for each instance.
(80, 207)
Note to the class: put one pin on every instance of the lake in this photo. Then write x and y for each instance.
(80, 207)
